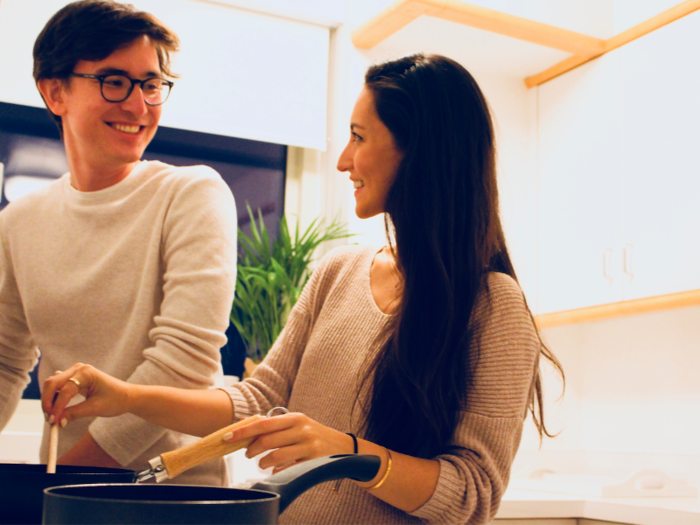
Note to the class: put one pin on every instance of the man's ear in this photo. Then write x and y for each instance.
(52, 91)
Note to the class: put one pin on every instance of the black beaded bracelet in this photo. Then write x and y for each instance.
(354, 441)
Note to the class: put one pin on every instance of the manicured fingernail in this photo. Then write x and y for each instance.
(228, 436)
(51, 419)
(64, 422)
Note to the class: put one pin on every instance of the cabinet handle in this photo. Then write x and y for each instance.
(628, 259)
(607, 264)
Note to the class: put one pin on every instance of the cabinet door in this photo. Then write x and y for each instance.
(660, 106)
(579, 205)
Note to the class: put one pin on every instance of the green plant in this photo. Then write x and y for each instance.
(271, 276)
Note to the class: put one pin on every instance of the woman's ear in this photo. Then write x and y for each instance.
(52, 91)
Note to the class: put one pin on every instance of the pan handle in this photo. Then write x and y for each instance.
(293, 481)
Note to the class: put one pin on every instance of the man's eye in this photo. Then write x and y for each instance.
(114, 82)
(153, 86)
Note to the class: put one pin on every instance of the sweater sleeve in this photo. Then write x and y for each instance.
(475, 469)
(273, 379)
(18, 353)
(199, 269)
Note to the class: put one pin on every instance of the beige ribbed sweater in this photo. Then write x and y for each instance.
(136, 279)
(314, 366)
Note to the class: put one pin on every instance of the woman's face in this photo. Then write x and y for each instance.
(371, 157)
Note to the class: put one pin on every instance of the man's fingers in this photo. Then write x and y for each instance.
(59, 389)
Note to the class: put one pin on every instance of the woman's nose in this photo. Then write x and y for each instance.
(345, 160)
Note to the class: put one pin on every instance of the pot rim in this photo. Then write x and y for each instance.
(52, 491)
(61, 470)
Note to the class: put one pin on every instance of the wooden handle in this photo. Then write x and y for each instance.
(210, 447)
(53, 450)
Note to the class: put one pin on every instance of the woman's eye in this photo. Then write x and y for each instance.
(355, 137)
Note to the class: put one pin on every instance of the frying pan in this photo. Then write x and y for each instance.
(22, 496)
(23, 486)
(166, 504)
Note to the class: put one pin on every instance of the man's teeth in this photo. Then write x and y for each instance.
(358, 184)
(126, 129)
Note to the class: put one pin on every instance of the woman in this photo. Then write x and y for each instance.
(425, 349)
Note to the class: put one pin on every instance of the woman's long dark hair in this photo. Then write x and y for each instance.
(443, 209)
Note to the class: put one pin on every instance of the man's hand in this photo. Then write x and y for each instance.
(87, 452)
(105, 396)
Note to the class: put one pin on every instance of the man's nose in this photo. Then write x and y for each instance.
(135, 102)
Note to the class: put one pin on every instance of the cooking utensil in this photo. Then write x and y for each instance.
(22, 496)
(161, 504)
(53, 450)
(171, 464)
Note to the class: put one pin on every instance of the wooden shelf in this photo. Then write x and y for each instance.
(403, 12)
(583, 47)
(621, 309)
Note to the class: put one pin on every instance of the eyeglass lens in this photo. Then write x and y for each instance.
(116, 88)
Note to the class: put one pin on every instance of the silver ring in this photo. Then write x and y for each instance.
(281, 410)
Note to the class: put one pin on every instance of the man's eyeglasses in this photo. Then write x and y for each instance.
(117, 88)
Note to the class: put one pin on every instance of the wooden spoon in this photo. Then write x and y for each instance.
(53, 449)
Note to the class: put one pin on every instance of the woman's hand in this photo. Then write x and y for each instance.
(295, 437)
(104, 395)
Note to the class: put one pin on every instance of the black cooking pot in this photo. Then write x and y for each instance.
(161, 504)
(22, 486)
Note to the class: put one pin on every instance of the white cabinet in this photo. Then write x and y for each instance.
(619, 174)
(660, 139)
(580, 213)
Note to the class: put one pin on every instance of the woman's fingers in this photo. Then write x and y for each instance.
(289, 439)
(274, 440)
(283, 457)
(259, 427)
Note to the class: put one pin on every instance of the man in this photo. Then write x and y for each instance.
(123, 264)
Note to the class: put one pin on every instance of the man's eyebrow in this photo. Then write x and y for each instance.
(114, 71)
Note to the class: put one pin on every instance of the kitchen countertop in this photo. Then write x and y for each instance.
(531, 504)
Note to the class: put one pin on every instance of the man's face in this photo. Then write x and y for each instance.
(110, 136)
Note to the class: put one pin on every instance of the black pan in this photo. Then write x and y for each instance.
(166, 504)
(22, 486)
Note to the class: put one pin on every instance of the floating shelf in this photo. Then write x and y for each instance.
(583, 47)
(621, 309)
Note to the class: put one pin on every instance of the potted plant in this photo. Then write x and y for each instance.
(270, 278)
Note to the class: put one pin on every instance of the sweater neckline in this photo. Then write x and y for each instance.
(369, 259)
(111, 194)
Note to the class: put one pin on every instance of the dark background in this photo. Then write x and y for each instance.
(255, 171)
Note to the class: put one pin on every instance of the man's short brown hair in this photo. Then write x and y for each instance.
(93, 30)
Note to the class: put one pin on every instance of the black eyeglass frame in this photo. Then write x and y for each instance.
(134, 81)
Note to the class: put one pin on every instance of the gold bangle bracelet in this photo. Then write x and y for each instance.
(386, 474)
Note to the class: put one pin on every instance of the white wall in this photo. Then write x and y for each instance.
(632, 398)
(329, 13)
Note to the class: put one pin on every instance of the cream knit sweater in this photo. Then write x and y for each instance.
(314, 367)
(136, 280)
